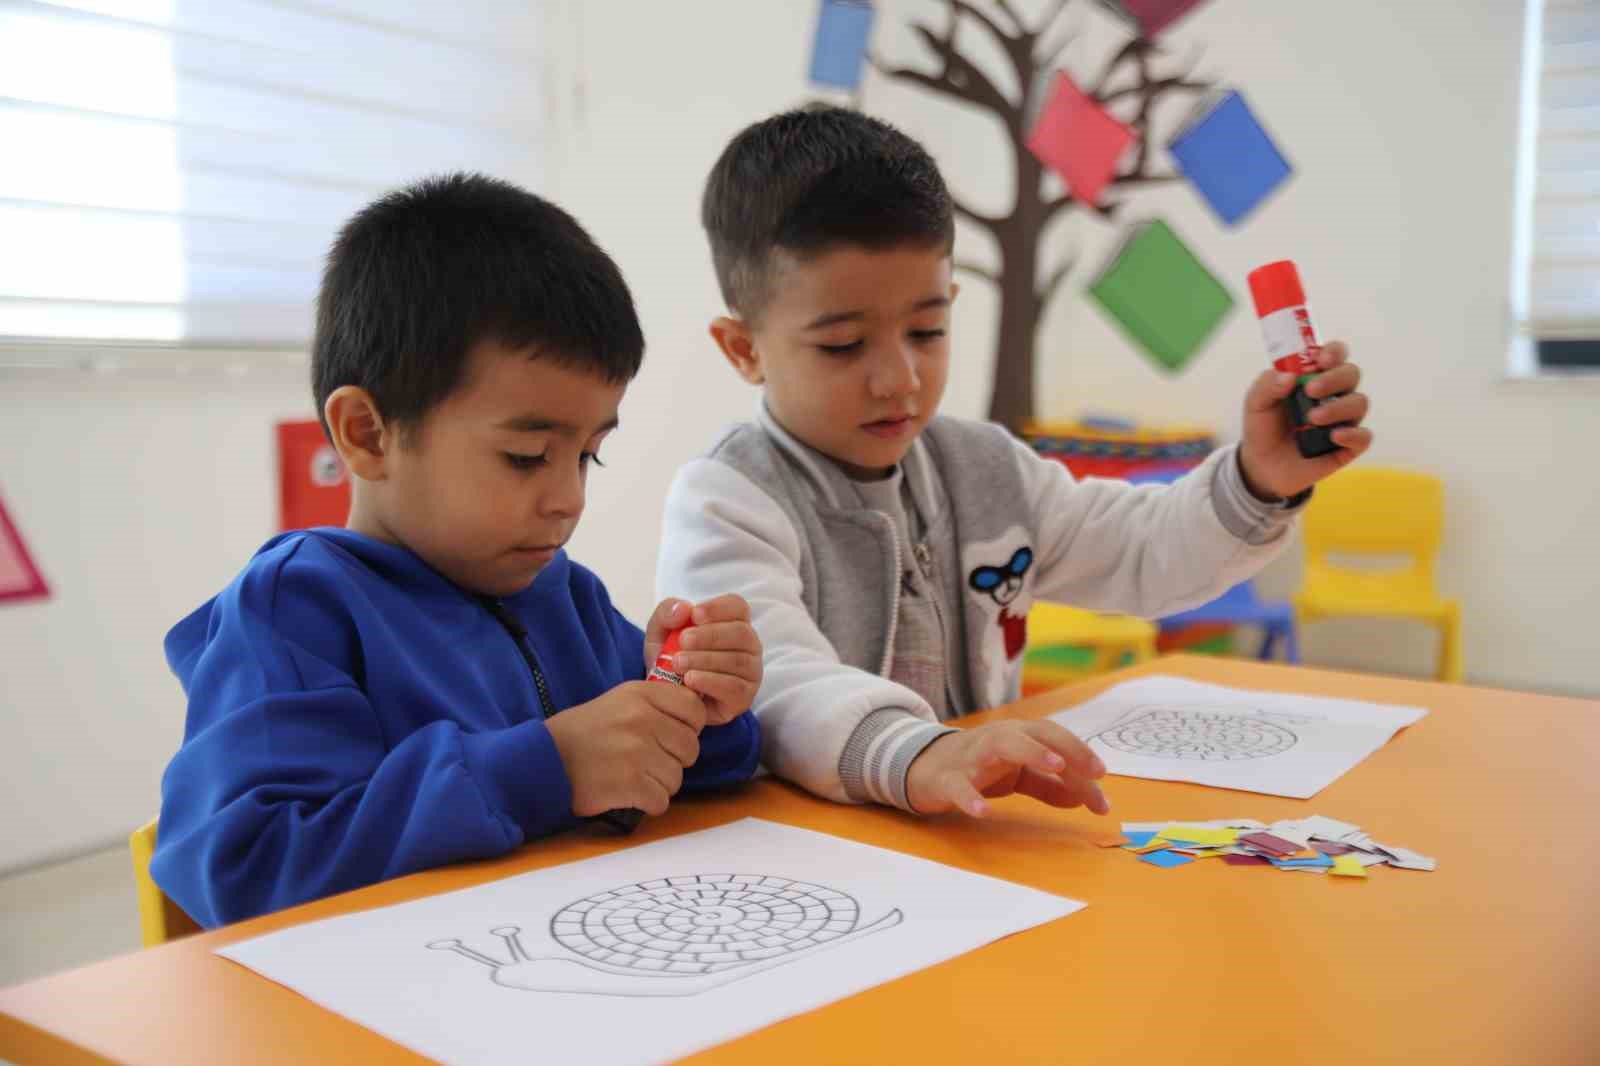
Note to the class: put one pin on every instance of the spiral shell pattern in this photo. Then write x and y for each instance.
(1180, 733)
(702, 924)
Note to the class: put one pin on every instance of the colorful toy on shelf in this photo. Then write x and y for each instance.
(1102, 448)
(1067, 644)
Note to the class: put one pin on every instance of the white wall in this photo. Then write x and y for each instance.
(1401, 122)
(140, 496)
(143, 496)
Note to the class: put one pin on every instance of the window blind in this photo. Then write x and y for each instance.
(174, 170)
(1563, 276)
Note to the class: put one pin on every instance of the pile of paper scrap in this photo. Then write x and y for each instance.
(1315, 845)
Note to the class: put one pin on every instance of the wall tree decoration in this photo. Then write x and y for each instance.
(1129, 83)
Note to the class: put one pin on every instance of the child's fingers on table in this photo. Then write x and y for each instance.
(1048, 788)
(722, 636)
(959, 791)
(1076, 791)
(734, 663)
(1080, 758)
(1017, 748)
(1352, 407)
(728, 608)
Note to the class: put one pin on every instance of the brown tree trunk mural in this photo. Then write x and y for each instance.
(1034, 48)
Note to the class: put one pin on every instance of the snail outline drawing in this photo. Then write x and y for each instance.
(679, 936)
(1203, 734)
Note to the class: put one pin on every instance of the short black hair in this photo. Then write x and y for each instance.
(805, 180)
(420, 276)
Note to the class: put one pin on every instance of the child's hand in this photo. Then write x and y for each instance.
(1038, 759)
(629, 747)
(1269, 458)
(720, 657)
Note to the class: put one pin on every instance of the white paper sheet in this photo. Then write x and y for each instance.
(1170, 729)
(645, 954)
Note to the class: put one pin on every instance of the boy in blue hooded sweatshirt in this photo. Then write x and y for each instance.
(437, 681)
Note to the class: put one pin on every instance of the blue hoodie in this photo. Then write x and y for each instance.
(354, 716)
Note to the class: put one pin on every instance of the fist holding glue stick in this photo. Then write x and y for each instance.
(710, 648)
(1302, 418)
(626, 819)
(704, 667)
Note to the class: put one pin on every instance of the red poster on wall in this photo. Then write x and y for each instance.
(313, 485)
(19, 578)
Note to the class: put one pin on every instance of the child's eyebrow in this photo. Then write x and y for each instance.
(540, 424)
(835, 317)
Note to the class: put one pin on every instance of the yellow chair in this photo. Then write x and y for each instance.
(1113, 638)
(160, 919)
(1375, 511)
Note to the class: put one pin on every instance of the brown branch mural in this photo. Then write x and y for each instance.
(1033, 50)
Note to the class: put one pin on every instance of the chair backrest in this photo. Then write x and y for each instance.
(160, 919)
(1370, 510)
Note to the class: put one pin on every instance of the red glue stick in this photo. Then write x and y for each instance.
(663, 670)
(1293, 346)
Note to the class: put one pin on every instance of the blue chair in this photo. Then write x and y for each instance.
(1239, 605)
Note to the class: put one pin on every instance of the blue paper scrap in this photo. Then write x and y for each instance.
(839, 52)
(1230, 159)
(1290, 864)
(1167, 859)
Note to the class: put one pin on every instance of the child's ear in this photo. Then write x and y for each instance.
(358, 431)
(738, 345)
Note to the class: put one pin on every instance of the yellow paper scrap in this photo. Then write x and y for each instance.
(1347, 866)
(1156, 844)
(1194, 834)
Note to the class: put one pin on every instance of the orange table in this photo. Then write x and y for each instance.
(1494, 958)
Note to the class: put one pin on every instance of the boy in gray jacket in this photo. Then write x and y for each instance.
(890, 556)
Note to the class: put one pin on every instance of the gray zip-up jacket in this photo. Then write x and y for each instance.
(765, 516)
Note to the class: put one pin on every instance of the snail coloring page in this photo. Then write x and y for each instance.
(1171, 729)
(679, 936)
(648, 953)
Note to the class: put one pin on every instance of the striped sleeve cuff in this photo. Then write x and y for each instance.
(1252, 520)
(879, 754)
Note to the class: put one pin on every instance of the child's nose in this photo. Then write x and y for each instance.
(563, 497)
(895, 373)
